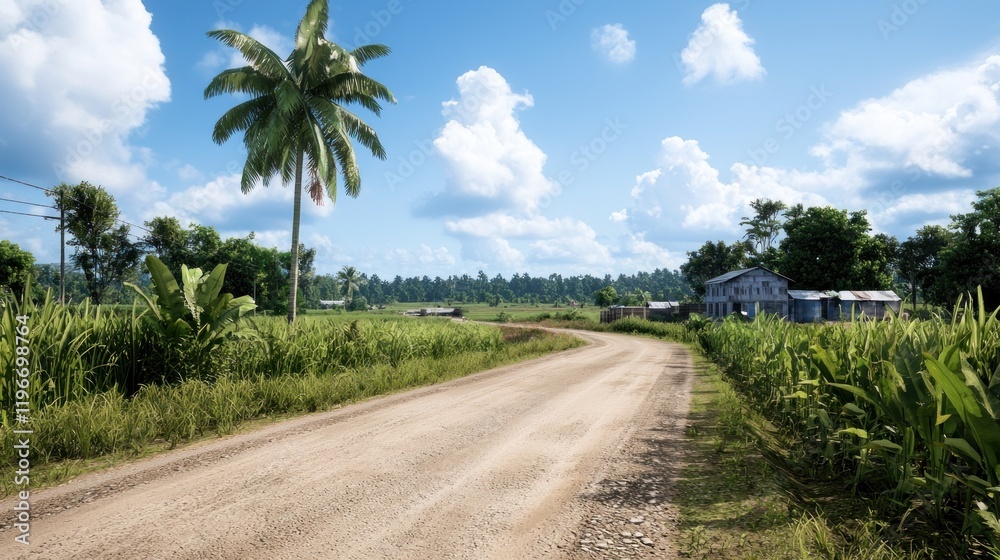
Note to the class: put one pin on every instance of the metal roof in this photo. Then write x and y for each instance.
(736, 273)
(662, 304)
(868, 295)
(811, 295)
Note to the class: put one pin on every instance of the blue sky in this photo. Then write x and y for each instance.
(572, 136)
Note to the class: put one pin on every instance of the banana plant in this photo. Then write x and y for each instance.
(197, 312)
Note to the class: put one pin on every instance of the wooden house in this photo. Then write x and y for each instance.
(749, 291)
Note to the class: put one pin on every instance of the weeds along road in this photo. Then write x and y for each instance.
(494, 465)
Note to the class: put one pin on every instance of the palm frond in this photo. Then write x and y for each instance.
(241, 117)
(289, 100)
(348, 163)
(260, 58)
(366, 53)
(245, 80)
(345, 84)
(313, 24)
(364, 134)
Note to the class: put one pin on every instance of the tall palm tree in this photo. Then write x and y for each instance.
(295, 120)
(350, 282)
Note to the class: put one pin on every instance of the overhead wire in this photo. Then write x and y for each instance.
(78, 201)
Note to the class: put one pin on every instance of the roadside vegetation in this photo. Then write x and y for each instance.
(110, 384)
(736, 503)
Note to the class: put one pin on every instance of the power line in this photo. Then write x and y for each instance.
(31, 215)
(77, 200)
(28, 203)
(25, 184)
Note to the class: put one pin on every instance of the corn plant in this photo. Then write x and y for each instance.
(908, 407)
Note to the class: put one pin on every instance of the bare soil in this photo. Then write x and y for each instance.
(558, 457)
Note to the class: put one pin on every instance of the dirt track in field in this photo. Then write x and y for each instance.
(515, 462)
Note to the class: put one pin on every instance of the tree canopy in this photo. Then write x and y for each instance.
(15, 265)
(919, 256)
(826, 248)
(972, 258)
(103, 250)
(714, 259)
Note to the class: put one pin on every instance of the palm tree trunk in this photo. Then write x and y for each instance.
(293, 271)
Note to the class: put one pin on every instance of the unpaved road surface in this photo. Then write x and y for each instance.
(515, 462)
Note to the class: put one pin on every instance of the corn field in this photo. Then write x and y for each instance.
(906, 409)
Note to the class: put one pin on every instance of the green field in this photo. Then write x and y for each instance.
(471, 311)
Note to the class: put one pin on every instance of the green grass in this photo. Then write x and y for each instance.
(105, 428)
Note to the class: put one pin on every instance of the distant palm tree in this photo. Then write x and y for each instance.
(350, 282)
(294, 120)
(643, 296)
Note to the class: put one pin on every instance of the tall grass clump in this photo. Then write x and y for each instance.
(326, 346)
(72, 351)
(908, 411)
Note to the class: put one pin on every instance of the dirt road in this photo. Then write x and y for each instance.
(502, 464)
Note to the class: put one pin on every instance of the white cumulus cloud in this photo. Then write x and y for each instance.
(72, 93)
(612, 42)
(720, 48)
(933, 124)
(486, 155)
(686, 199)
(563, 240)
(221, 200)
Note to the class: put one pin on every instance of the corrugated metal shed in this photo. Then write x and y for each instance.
(662, 304)
(868, 295)
(869, 303)
(805, 306)
(805, 294)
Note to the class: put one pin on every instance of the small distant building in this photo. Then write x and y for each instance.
(749, 291)
(652, 310)
(871, 304)
(812, 306)
(441, 312)
(805, 306)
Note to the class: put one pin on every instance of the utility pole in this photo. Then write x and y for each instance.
(62, 248)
